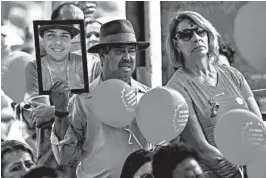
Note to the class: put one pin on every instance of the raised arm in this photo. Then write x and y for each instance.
(67, 135)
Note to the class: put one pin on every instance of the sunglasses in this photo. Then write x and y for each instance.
(187, 34)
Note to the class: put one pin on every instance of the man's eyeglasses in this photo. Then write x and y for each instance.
(187, 34)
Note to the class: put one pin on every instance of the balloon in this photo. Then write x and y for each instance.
(257, 169)
(162, 114)
(114, 103)
(239, 135)
(249, 33)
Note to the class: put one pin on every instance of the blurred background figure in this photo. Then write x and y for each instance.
(13, 63)
(138, 165)
(88, 8)
(7, 115)
(16, 159)
(226, 54)
(92, 32)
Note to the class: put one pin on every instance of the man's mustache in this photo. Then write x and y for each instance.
(126, 62)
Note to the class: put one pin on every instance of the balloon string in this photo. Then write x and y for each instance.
(130, 136)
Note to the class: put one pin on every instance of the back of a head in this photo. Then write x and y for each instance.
(166, 158)
(134, 161)
(67, 11)
(43, 172)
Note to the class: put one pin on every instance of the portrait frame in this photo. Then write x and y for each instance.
(36, 24)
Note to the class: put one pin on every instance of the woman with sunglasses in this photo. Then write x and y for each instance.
(138, 165)
(209, 89)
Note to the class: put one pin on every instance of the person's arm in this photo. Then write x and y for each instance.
(67, 135)
(193, 135)
(247, 93)
(249, 97)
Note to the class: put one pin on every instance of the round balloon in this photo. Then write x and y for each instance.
(239, 135)
(249, 33)
(162, 114)
(114, 103)
(257, 169)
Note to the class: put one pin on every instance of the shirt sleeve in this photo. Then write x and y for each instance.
(242, 83)
(31, 80)
(69, 150)
(177, 86)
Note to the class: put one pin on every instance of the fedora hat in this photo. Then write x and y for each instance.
(118, 32)
(69, 28)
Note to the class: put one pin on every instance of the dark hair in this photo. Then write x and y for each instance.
(56, 13)
(13, 146)
(42, 172)
(134, 161)
(226, 50)
(166, 158)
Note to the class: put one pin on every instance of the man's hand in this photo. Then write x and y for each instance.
(60, 95)
(41, 113)
(220, 165)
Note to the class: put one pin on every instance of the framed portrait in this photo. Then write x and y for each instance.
(56, 46)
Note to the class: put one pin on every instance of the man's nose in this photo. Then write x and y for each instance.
(58, 40)
(127, 55)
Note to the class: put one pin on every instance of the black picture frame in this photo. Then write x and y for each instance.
(36, 24)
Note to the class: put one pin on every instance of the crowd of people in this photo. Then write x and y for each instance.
(62, 137)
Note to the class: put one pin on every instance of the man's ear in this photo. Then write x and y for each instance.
(102, 57)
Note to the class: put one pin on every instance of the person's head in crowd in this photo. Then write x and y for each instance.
(44, 172)
(16, 159)
(138, 165)
(191, 37)
(67, 11)
(226, 54)
(92, 32)
(117, 50)
(57, 40)
(176, 160)
(10, 41)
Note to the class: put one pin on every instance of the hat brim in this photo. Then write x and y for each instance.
(140, 45)
(72, 30)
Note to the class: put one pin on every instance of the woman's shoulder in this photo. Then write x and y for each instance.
(179, 77)
(179, 80)
(229, 71)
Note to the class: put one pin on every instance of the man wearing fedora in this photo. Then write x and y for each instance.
(77, 135)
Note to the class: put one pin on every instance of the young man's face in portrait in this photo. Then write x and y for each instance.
(57, 43)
